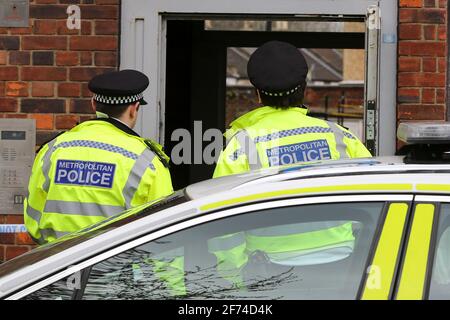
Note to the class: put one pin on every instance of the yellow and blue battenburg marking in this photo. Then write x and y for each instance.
(85, 173)
(299, 152)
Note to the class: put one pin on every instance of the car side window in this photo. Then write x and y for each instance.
(301, 252)
(440, 277)
(60, 290)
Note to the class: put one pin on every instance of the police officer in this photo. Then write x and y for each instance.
(100, 167)
(280, 132)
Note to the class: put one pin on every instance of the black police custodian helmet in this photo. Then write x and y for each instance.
(277, 69)
(119, 87)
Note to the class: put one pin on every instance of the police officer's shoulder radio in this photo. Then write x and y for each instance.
(17, 151)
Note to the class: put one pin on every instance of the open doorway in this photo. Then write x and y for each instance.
(206, 74)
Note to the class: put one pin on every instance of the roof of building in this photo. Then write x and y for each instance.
(325, 65)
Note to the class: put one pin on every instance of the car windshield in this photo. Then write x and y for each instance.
(92, 231)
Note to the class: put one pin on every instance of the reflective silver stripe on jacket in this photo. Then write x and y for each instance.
(137, 172)
(339, 137)
(82, 209)
(248, 146)
(292, 229)
(34, 214)
(46, 165)
(47, 233)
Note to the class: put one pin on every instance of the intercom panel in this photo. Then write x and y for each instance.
(17, 151)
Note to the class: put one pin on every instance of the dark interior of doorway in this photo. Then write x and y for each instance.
(196, 75)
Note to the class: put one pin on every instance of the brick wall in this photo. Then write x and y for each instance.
(44, 70)
(422, 60)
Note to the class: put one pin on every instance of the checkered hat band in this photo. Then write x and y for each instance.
(280, 94)
(118, 100)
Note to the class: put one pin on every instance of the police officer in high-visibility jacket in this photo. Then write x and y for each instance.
(281, 132)
(100, 167)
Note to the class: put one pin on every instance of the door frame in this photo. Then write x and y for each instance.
(143, 35)
(404, 288)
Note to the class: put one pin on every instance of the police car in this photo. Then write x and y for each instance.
(357, 229)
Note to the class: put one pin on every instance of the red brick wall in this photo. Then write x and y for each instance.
(12, 245)
(44, 71)
(343, 97)
(422, 60)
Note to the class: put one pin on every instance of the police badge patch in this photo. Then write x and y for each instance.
(299, 152)
(85, 173)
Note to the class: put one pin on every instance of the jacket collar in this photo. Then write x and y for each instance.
(118, 124)
(254, 116)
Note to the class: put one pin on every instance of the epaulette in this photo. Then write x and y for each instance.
(158, 150)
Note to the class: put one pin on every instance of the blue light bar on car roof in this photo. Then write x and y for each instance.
(424, 132)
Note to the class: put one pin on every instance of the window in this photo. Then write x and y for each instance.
(440, 278)
(74, 239)
(60, 290)
(299, 252)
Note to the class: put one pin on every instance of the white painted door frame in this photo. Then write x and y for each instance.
(143, 38)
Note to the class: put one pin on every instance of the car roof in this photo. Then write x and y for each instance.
(197, 198)
(328, 168)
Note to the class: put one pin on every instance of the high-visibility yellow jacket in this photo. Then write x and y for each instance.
(292, 245)
(92, 172)
(268, 136)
